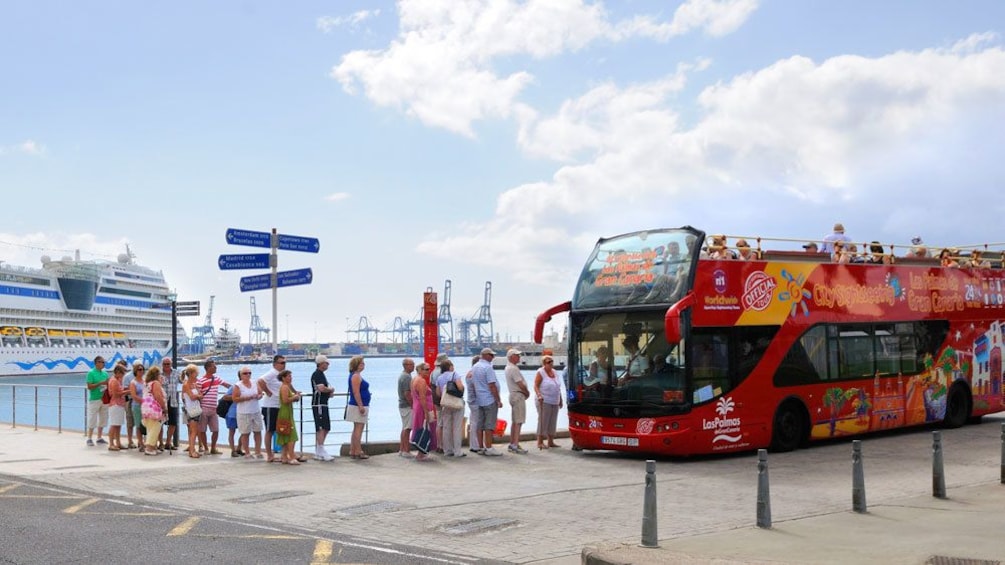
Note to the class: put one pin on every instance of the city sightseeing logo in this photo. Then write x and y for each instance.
(645, 426)
(757, 290)
(726, 429)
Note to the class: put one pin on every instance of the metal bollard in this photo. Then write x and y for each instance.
(938, 474)
(857, 478)
(649, 529)
(1003, 455)
(763, 492)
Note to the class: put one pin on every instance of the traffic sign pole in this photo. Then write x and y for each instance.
(275, 293)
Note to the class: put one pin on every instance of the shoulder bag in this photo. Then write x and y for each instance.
(448, 400)
(150, 409)
(193, 408)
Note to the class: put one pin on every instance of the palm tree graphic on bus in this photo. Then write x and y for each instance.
(724, 406)
(795, 292)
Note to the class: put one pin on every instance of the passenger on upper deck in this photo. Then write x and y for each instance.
(745, 253)
(946, 258)
(717, 248)
(840, 253)
(976, 261)
(830, 239)
(811, 247)
(853, 256)
(876, 254)
(919, 250)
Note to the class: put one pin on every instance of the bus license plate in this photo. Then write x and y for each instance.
(618, 440)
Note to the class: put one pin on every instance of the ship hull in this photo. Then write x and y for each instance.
(33, 362)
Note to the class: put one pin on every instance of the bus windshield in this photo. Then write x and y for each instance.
(622, 362)
(648, 267)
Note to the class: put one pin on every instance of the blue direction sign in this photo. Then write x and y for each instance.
(249, 238)
(284, 278)
(244, 261)
(293, 278)
(298, 243)
(256, 282)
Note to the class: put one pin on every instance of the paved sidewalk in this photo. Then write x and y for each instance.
(559, 507)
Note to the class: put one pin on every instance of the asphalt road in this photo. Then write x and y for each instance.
(45, 524)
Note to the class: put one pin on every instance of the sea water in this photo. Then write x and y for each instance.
(384, 424)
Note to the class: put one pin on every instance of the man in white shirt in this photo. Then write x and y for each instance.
(518, 395)
(268, 384)
(838, 235)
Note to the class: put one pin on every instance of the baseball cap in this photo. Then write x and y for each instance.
(810, 245)
(320, 359)
(488, 351)
(514, 352)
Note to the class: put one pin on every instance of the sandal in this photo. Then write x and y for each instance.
(194, 455)
(294, 462)
(302, 459)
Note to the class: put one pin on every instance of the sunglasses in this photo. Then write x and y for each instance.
(548, 362)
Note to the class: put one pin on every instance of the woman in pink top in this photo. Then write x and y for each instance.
(422, 404)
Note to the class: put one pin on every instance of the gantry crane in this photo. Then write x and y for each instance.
(481, 323)
(257, 333)
(204, 337)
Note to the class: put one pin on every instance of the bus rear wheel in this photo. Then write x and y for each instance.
(957, 407)
(789, 429)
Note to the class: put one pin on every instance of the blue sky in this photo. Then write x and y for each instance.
(471, 140)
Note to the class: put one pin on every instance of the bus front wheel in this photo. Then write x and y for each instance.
(957, 407)
(790, 427)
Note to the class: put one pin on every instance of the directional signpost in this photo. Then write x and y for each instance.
(249, 238)
(190, 308)
(274, 241)
(246, 261)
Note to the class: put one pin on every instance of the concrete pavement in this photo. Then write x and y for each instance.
(562, 507)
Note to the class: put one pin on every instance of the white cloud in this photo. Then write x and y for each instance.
(328, 24)
(337, 196)
(439, 69)
(27, 147)
(851, 136)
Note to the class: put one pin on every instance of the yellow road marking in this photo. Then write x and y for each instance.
(63, 496)
(81, 506)
(131, 513)
(184, 527)
(9, 487)
(322, 552)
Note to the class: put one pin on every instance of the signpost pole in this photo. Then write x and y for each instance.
(275, 294)
(174, 363)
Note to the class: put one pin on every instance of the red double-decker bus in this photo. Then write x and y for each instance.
(670, 352)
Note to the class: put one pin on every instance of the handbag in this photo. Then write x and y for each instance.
(223, 407)
(421, 439)
(284, 426)
(450, 401)
(193, 408)
(452, 389)
(106, 397)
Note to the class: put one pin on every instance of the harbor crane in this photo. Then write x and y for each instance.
(365, 333)
(480, 324)
(445, 320)
(257, 333)
(400, 331)
(204, 336)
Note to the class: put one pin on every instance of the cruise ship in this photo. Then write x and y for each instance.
(58, 318)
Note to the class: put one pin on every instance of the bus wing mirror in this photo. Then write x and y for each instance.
(671, 322)
(545, 317)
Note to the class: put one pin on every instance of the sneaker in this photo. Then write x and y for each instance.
(517, 449)
(101, 441)
(90, 443)
(476, 450)
(492, 452)
(460, 454)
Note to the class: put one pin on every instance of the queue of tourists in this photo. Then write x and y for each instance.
(148, 402)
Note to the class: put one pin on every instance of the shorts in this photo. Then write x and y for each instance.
(247, 423)
(172, 415)
(406, 418)
(270, 415)
(488, 416)
(353, 415)
(231, 423)
(322, 419)
(97, 414)
(209, 420)
(116, 415)
(518, 405)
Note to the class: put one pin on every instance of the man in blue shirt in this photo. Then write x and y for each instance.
(487, 398)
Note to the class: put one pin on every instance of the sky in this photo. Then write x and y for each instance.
(492, 140)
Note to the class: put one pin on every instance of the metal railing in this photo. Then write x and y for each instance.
(56, 407)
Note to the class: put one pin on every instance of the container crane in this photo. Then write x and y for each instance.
(204, 337)
(257, 333)
(445, 320)
(480, 324)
